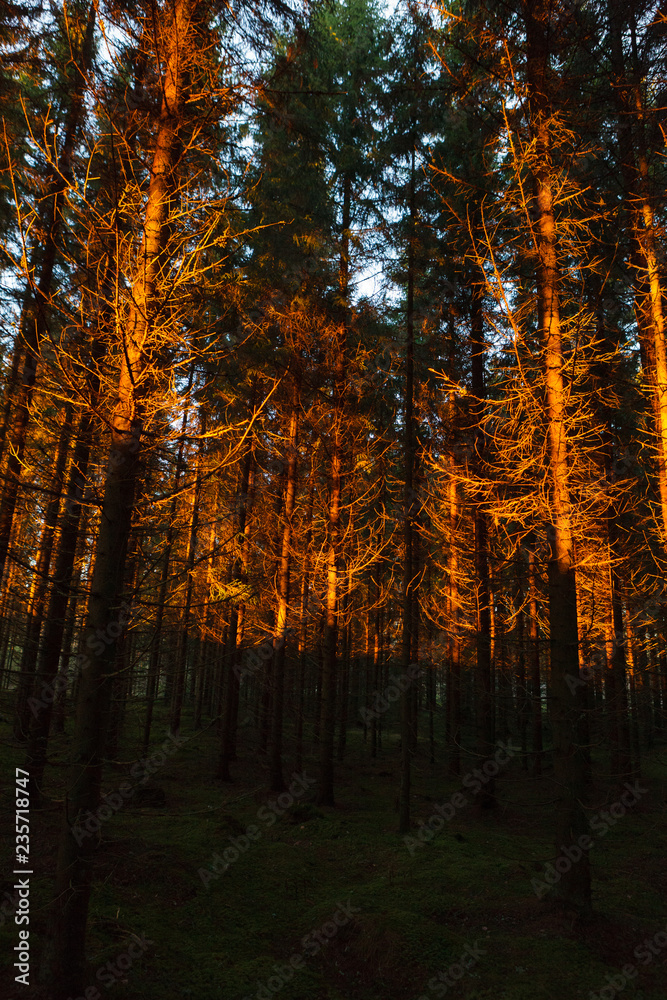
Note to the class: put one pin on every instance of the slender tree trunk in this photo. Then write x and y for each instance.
(535, 675)
(633, 700)
(28, 667)
(344, 691)
(34, 315)
(325, 794)
(453, 639)
(621, 763)
(523, 703)
(649, 291)
(377, 668)
(230, 705)
(276, 780)
(409, 513)
(74, 864)
(484, 705)
(182, 648)
(202, 665)
(574, 888)
(67, 645)
(52, 638)
(123, 666)
(153, 676)
(303, 628)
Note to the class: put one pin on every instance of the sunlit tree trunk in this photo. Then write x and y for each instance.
(649, 292)
(325, 792)
(303, 628)
(329, 662)
(276, 780)
(453, 638)
(574, 887)
(453, 509)
(484, 706)
(409, 513)
(74, 863)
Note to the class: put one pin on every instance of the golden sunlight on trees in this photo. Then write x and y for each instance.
(333, 444)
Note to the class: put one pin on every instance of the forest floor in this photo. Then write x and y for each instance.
(363, 915)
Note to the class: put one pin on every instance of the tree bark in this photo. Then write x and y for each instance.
(535, 673)
(74, 864)
(34, 314)
(231, 699)
(28, 667)
(325, 794)
(648, 285)
(182, 648)
(484, 706)
(276, 779)
(574, 888)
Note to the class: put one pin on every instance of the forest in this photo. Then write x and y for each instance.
(333, 499)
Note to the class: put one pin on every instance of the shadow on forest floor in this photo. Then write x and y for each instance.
(370, 919)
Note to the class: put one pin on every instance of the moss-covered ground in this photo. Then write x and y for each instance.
(407, 915)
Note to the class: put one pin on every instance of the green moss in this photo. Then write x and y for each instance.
(415, 913)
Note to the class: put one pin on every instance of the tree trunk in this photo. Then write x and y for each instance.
(648, 287)
(574, 888)
(53, 631)
(303, 629)
(28, 667)
(34, 314)
(325, 794)
(74, 864)
(453, 638)
(230, 704)
(409, 513)
(276, 780)
(484, 706)
(535, 675)
(182, 648)
(523, 703)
